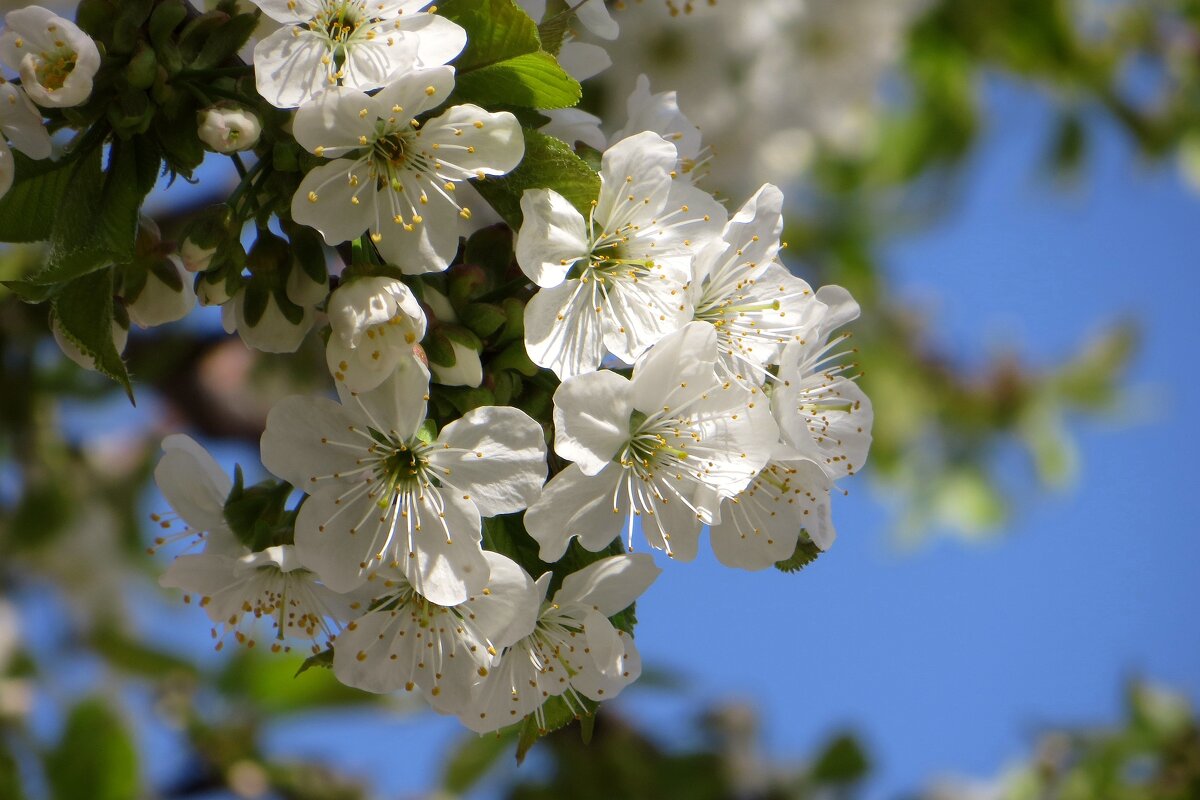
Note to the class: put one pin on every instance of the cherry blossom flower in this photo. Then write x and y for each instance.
(376, 323)
(756, 306)
(614, 282)
(407, 641)
(822, 413)
(573, 650)
(645, 448)
(359, 44)
(385, 496)
(395, 176)
(56, 60)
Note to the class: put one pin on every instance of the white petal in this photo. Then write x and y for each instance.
(563, 332)
(635, 176)
(326, 200)
(397, 406)
(572, 125)
(605, 647)
(193, 483)
(411, 92)
(675, 368)
(511, 691)
(660, 113)
(591, 683)
(841, 308)
(640, 313)
(289, 10)
(673, 527)
(496, 456)
(472, 142)
(552, 238)
(508, 610)
(583, 60)
(334, 119)
(362, 657)
(828, 421)
(439, 39)
(591, 419)
(288, 67)
(450, 565)
(372, 63)
(611, 584)
(593, 15)
(308, 437)
(574, 504)
(430, 246)
(22, 123)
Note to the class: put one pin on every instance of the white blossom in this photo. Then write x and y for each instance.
(662, 448)
(196, 488)
(359, 44)
(661, 114)
(406, 641)
(395, 176)
(573, 650)
(229, 130)
(56, 60)
(383, 497)
(613, 282)
(237, 591)
(581, 60)
(756, 306)
(376, 323)
(822, 413)
(22, 123)
(762, 524)
(573, 125)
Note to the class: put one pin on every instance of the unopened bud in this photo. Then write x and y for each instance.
(228, 130)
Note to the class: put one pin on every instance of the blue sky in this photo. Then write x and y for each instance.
(951, 658)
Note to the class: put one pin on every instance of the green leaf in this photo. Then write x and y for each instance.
(556, 714)
(554, 26)
(549, 164)
(473, 759)
(497, 30)
(84, 310)
(257, 515)
(95, 758)
(27, 212)
(806, 553)
(96, 223)
(532, 80)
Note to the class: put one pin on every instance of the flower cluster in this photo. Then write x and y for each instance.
(547, 346)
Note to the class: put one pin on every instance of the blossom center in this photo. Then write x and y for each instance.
(53, 68)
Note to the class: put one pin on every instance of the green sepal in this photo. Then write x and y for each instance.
(322, 660)
(258, 515)
(806, 553)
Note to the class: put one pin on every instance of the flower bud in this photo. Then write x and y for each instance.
(275, 328)
(57, 61)
(204, 236)
(228, 130)
(213, 289)
(166, 295)
(454, 357)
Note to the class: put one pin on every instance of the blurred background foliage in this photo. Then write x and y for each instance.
(86, 639)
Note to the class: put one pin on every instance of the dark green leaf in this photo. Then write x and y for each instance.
(27, 212)
(95, 758)
(844, 761)
(84, 310)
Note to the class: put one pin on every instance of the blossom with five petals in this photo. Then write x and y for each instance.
(384, 497)
(394, 175)
(614, 282)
